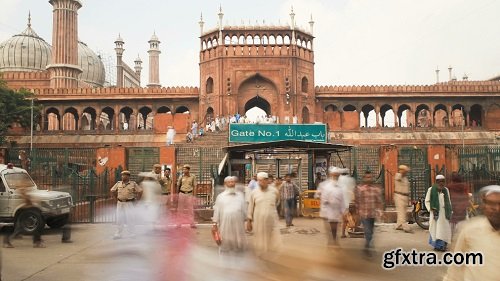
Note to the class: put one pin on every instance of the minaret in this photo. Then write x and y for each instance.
(119, 63)
(201, 23)
(154, 62)
(311, 25)
(138, 67)
(221, 16)
(292, 25)
(64, 69)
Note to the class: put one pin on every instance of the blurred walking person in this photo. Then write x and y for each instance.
(480, 235)
(23, 192)
(289, 192)
(459, 197)
(348, 184)
(437, 201)
(401, 196)
(185, 187)
(262, 216)
(127, 193)
(368, 198)
(229, 218)
(332, 203)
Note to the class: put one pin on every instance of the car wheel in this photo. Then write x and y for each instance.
(30, 221)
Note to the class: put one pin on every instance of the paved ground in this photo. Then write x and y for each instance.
(187, 254)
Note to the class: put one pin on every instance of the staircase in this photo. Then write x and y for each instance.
(210, 139)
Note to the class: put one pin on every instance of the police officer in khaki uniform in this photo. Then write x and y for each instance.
(166, 184)
(126, 192)
(185, 187)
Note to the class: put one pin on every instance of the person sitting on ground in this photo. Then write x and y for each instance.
(352, 222)
(189, 137)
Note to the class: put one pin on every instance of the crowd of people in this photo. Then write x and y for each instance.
(354, 208)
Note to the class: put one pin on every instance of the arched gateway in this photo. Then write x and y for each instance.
(257, 92)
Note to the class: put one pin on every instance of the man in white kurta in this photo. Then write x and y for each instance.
(229, 217)
(439, 220)
(262, 216)
(332, 203)
(480, 234)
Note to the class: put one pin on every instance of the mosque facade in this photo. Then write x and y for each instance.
(240, 67)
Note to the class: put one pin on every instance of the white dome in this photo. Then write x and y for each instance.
(25, 52)
(91, 65)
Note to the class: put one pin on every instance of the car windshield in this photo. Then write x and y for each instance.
(19, 180)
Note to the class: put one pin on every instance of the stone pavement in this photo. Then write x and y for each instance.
(190, 254)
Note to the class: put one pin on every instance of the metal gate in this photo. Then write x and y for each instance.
(141, 159)
(419, 175)
(479, 167)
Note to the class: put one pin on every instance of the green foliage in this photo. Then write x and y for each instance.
(15, 107)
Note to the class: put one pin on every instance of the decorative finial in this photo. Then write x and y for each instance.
(29, 18)
(292, 13)
(201, 17)
(220, 8)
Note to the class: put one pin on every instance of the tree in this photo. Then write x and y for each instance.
(15, 107)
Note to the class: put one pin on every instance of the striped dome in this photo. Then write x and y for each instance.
(91, 65)
(25, 52)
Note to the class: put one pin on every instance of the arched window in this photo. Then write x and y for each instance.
(305, 85)
(249, 40)
(210, 85)
(182, 109)
(286, 40)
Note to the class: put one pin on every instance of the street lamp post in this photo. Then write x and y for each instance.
(31, 127)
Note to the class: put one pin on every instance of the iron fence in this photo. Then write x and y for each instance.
(204, 162)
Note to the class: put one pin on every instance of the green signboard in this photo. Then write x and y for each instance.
(277, 132)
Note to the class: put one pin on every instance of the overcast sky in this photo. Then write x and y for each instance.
(358, 42)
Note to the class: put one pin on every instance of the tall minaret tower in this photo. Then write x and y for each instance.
(138, 67)
(154, 62)
(64, 69)
(119, 61)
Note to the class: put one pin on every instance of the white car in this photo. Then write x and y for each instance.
(51, 207)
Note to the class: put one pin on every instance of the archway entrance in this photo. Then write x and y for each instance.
(256, 109)
(257, 91)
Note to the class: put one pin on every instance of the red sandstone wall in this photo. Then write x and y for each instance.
(162, 121)
(452, 159)
(116, 156)
(389, 158)
(436, 156)
(333, 119)
(350, 120)
(182, 123)
(492, 121)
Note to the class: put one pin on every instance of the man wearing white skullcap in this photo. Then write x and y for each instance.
(437, 201)
(332, 203)
(480, 234)
(262, 216)
(229, 218)
(262, 175)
